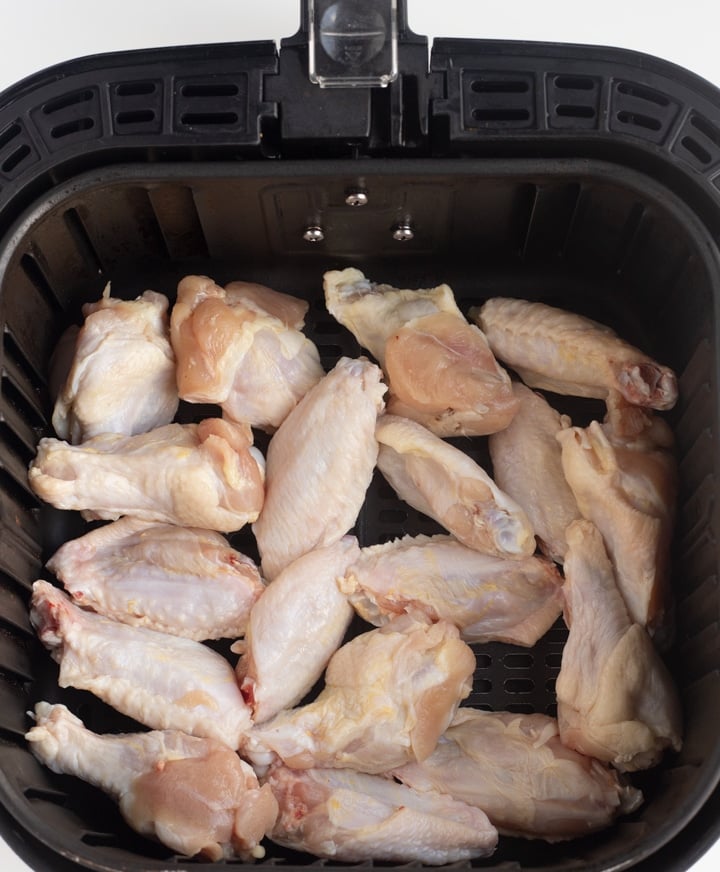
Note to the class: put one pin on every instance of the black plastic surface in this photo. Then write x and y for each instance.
(585, 177)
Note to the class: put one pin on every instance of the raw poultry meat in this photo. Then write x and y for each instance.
(350, 816)
(616, 699)
(560, 351)
(440, 369)
(624, 477)
(488, 598)
(388, 696)
(194, 795)
(444, 483)
(162, 681)
(295, 628)
(122, 376)
(527, 466)
(178, 580)
(242, 347)
(204, 475)
(515, 768)
(319, 465)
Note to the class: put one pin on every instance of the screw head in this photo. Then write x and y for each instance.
(403, 232)
(314, 233)
(356, 197)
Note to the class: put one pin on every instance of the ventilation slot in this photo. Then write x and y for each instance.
(81, 238)
(211, 105)
(15, 149)
(32, 270)
(73, 116)
(573, 101)
(137, 106)
(698, 142)
(490, 101)
(641, 111)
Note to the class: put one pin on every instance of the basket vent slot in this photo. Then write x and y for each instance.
(641, 111)
(211, 104)
(573, 100)
(496, 100)
(15, 150)
(74, 116)
(137, 106)
(698, 142)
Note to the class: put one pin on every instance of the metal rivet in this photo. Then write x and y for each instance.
(403, 232)
(356, 197)
(314, 233)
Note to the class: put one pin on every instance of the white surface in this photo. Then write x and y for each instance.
(40, 33)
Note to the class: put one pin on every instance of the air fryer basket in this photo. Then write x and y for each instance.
(584, 178)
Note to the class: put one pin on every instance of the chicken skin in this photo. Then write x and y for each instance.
(623, 474)
(515, 768)
(319, 465)
(162, 681)
(350, 816)
(389, 694)
(444, 483)
(488, 598)
(440, 369)
(295, 627)
(616, 699)
(122, 375)
(177, 580)
(242, 347)
(527, 465)
(559, 351)
(194, 795)
(204, 475)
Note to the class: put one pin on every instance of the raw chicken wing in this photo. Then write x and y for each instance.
(203, 475)
(616, 700)
(444, 483)
(440, 369)
(320, 464)
(515, 768)
(295, 628)
(389, 694)
(122, 376)
(559, 351)
(194, 795)
(178, 580)
(623, 474)
(242, 347)
(351, 816)
(488, 598)
(527, 465)
(165, 682)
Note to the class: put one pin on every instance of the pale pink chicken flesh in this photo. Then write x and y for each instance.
(560, 351)
(440, 369)
(319, 465)
(489, 598)
(205, 475)
(527, 465)
(616, 699)
(443, 482)
(515, 768)
(162, 681)
(178, 580)
(294, 629)
(388, 696)
(242, 347)
(121, 373)
(350, 816)
(624, 477)
(194, 795)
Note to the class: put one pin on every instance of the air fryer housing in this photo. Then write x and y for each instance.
(584, 177)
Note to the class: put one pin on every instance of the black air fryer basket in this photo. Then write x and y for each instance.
(588, 178)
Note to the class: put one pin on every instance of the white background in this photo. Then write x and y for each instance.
(39, 33)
